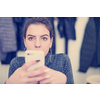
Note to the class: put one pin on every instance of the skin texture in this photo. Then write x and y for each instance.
(37, 38)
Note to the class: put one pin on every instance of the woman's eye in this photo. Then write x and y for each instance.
(30, 38)
(44, 38)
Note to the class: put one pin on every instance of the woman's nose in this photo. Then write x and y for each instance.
(37, 43)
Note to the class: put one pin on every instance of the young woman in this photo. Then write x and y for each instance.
(38, 35)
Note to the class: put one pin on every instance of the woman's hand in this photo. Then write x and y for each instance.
(22, 76)
(53, 77)
(42, 75)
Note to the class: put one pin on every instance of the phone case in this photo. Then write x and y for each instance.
(31, 55)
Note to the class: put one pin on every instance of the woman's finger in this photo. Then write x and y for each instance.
(36, 78)
(33, 79)
(47, 80)
(35, 73)
(28, 64)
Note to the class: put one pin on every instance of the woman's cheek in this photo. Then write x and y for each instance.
(30, 45)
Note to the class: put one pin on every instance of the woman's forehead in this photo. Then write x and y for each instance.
(37, 29)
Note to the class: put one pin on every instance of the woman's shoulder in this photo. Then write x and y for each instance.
(15, 64)
(60, 56)
(18, 60)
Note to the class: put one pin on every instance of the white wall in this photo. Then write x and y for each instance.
(74, 46)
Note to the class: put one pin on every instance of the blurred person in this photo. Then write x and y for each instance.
(38, 35)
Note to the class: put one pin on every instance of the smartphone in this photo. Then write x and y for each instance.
(31, 55)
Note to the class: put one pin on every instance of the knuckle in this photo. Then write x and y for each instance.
(34, 79)
(22, 81)
(37, 72)
(41, 82)
(31, 73)
(38, 79)
(52, 79)
(21, 75)
(34, 73)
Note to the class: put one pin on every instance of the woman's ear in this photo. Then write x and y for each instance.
(51, 41)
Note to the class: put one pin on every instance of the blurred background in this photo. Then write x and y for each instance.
(78, 37)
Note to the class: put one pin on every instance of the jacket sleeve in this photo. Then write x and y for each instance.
(13, 67)
(68, 70)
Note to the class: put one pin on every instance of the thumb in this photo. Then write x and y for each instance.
(28, 64)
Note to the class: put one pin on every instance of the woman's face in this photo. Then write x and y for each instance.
(38, 38)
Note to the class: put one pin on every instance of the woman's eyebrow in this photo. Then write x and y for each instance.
(45, 35)
(40, 36)
(31, 35)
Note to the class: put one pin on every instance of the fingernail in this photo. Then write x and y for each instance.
(47, 76)
(37, 60)
(46, 70)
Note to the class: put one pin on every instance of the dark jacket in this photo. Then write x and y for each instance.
(66, 29)
(90, 49)
(8, 41)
